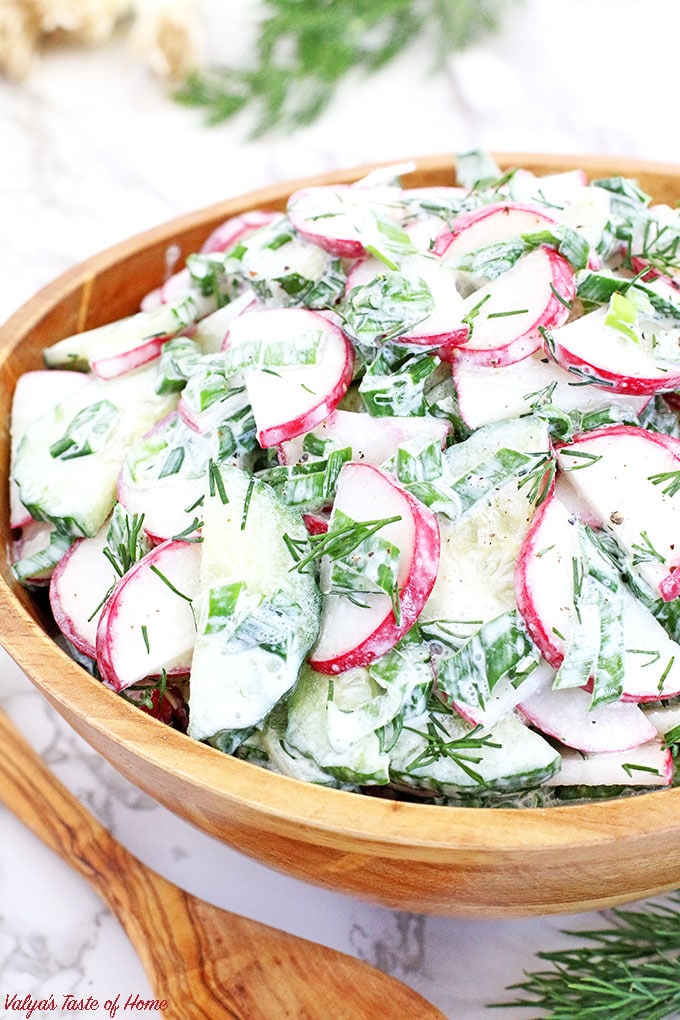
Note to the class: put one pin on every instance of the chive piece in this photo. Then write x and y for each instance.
(246, 503)
(169, 583)
(216, 482)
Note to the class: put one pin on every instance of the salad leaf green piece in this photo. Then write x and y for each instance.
(595, 646)
(395, 383)
(87, 432)
(501, 649)
(390, 305)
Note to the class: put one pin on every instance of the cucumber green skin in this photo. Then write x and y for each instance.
(523, 760)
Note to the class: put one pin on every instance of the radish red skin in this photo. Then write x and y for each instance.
(551, 649)
(111, 366)
(633, 385)
(413, 594)
(344, 247)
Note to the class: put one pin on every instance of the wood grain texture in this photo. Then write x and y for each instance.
(206, 963)
(454, 861)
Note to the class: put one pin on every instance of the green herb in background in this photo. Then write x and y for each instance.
(630, 972)
(305, 48)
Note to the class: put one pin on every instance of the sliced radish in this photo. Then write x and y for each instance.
(601, 354)
(544, 585)
(506, 316)
(567, 716)
(443, 326)
(628, 476)
(228, 234)
(316, 522)
(341, 219)
(372, 440)
(490, 224)
(487, 394)
(34, 394)
(120, 347)
(78, 590)
(355, 635)
(236, 228)
(147, 625)
(176, 288)
(648, 765)
(288, 400)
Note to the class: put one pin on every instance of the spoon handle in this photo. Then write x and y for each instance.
(207, 963)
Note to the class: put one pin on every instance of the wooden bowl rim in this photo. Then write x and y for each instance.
(336, 816)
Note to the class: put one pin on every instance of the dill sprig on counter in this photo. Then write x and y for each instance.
(304, 50)
(631, 971)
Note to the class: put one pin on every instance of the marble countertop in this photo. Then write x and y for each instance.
(91, 151)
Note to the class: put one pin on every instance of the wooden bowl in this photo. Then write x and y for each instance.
(418, 857)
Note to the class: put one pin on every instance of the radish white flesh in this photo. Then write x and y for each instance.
(443, 326)
(34, 394)
(78, 590)
(147, 625)
(164, 504)
(341, 219)
(487, 394)
(292, 399)
(372, 440)
(648, 765)
(567, 716)
(595, 352)
(544, 581)
(355, 635)
(507, 314)
(626, 475)
(490, 224)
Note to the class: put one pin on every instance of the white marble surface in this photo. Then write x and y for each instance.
(92, 151)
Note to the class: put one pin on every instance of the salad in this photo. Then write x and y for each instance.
(382, 492)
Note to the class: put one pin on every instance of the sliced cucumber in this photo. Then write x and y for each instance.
(475, 582)
(256, 618)
(313, 722)
(440, 752)
(68, 461)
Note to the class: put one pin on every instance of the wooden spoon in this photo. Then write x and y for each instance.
(205, 962)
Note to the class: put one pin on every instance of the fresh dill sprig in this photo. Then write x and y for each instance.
(631, 971)
(440, 744)
(304, 50)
